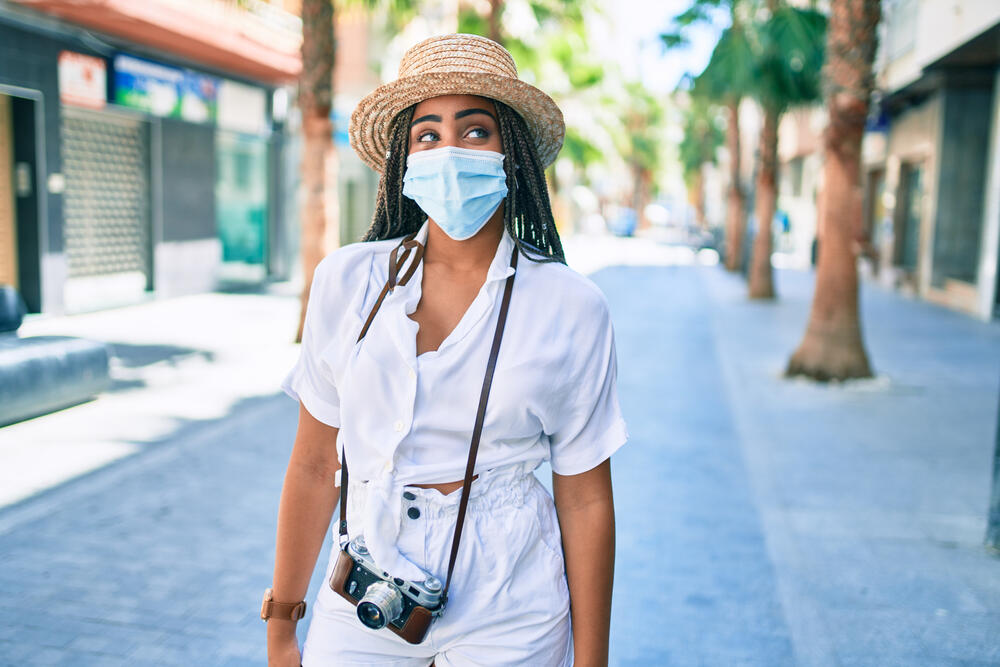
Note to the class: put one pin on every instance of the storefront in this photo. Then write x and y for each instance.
(105, 190)
(241, 183)
(127, 174)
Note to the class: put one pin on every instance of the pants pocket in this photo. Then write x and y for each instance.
(547, 522)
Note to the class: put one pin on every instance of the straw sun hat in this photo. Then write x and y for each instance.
(449, 65)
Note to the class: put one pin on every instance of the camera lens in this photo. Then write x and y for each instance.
(371, 615)
(381, 604)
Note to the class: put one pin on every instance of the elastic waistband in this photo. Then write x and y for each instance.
(495, 487)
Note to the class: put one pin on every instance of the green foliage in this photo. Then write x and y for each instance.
(790, 58)
(641, 144)
(568, 49)
(776, 59)
(579, 150)
(703, 135)
(397, 12)
(561, 40)
(624, 118)
(567, 12)
(730, 71)
(700, 12)
(555, 57)
(472, 22)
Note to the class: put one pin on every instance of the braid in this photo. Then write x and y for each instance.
(395, 215)
(527, 210)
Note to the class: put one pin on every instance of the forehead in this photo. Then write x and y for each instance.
(451, 103)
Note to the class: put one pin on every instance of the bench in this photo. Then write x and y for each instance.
(42, 374)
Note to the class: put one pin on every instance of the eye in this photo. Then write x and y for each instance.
(485, 133)
(420, 137)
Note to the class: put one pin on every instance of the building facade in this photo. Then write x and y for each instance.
(932, 155)
(143, 148)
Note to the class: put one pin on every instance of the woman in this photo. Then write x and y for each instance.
(461, 145)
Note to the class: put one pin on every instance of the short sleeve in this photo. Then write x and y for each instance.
(589, 426)
(310, 380)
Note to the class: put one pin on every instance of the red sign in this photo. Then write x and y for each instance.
(83, 80)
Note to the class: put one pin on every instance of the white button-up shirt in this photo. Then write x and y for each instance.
(408, 419)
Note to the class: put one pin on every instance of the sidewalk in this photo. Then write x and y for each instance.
(797, 523)
(176, 361)
(759, 521)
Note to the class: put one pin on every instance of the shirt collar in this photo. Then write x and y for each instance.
(500, 267)
(404, 301)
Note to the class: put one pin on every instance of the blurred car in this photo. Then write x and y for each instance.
(623, 221)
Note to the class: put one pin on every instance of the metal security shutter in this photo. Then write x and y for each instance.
(106, 200)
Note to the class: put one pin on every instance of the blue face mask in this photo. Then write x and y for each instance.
(458, 188)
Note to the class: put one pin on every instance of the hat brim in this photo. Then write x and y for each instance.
(371, 120)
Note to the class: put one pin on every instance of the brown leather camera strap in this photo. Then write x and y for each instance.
(477, 430)
(395, 265)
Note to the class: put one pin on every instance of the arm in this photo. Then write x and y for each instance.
(308, 497)
(586, 512)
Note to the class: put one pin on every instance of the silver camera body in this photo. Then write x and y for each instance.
(384, 599)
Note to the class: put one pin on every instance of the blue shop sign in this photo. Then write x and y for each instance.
(877, 121)
(340, 121)
(162, 90)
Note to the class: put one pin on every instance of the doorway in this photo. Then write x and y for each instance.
(20, 205)
(908, 216)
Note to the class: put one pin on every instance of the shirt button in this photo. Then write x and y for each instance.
(398, 426)
(388, 466)
(413, 513)
(409, 495)
(410, 372)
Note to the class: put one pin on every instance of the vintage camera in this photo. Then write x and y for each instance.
(383, 601)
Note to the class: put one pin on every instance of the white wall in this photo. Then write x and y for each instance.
(918, 32)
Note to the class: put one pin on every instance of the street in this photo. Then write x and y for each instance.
(760, 521)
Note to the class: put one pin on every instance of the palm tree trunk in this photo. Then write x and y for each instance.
(761, 281)
(318, 167)
(697, 197)
(735, 199)
(832, 347)
(496, 6)
(643, 180)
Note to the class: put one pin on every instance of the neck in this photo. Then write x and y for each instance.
(469, 255)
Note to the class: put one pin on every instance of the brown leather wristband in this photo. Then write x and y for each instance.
(288, 611)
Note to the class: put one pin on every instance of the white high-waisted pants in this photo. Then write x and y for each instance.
(508, 603)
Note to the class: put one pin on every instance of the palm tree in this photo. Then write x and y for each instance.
(702, 138)
(318, 198)
(788, 48)
(561, 39)
(832, 347)
(640, 144)
(318, 167)
(729, 80)
(496, 9)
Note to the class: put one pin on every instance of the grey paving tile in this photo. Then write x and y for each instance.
(760, 521)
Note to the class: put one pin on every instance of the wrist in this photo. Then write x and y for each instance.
(279, 628)
(272, 609)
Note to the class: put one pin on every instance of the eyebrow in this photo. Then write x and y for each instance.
(458, 114)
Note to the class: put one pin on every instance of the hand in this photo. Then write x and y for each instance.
(282, 645)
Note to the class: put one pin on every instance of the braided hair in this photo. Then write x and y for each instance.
(527, 210)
